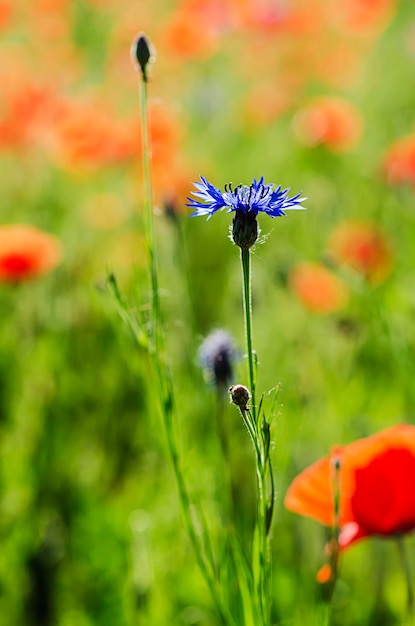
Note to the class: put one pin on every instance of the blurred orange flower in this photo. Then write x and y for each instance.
(194, 29)
(26, 252)
(376, 486)
(400, 161)
(165, 133)
(88, 137)
(363, 15)
(165, 146)
(362, 246)
(29, 113)
(329, 121)
(318, 288)
(5, 13)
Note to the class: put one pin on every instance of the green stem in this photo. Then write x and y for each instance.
(263, 578)
(271, 502)
(250, 418)
(247, 420)
(164, 382)
(149, 228)
(335, 530)
(410, 605)
(247, 298)
(205, 563)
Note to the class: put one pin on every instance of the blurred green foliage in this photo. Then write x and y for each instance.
(89, 518)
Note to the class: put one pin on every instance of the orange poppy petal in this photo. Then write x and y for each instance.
(310, 493)
(375, 483)
(319, 289)
(324, 574)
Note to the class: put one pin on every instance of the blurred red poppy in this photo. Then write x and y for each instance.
(376, 486)
(26, 252)
(329, 121)
(362, 246)
(318, 288)
(400, 161)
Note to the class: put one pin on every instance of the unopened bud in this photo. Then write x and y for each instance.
(240, 396)
(142, 53)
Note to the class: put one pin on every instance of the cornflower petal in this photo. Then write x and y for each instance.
(211, 197)
(255, 198)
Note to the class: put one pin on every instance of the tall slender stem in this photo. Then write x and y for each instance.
(251, 419)
(247, 298)
(149, 228)
(410, 603)
(263, 544)
(335, 529)
(164, 382)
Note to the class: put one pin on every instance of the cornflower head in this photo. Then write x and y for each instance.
(246, 201)
(216, 356)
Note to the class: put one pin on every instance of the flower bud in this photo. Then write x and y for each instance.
(240, 396)
(244, 229)
(142, 53)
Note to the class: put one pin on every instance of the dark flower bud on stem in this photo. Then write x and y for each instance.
(244, 229)
(142, 54)
(240, 396)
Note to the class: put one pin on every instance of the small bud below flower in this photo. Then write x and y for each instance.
(240, 396)
(142, 53)
(244, 229)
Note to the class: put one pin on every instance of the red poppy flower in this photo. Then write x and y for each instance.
(376, 486)
(362, 246)
(26, 252)
(318, 288)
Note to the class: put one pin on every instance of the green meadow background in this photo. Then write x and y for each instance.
(90, 524)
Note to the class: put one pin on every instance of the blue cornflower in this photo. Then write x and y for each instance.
(256, 198)
(246, 202)
(216, 356)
